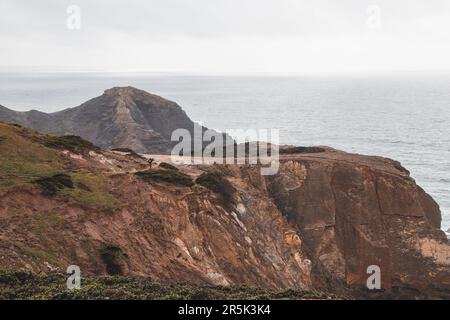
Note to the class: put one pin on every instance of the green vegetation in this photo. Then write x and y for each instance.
(51, 185)
(27, 162)
(22, 160)
(169, 176)
(216, 182)
(37, 254)
(24, 285)
(296, 150)
(112, 257)
(88, 189)
(167, 166)
(72, 143)
(256, 147)
(91, 190)
(45, 220)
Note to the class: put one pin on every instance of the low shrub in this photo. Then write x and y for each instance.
(167, 166)
(25, 285)
(169, 176)
(91, 190)
(51, 185)
(216, 182)
(296, 150)
(112, 257)
(72, 143)
(15, 278)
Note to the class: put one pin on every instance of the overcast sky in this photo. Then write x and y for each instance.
(314, 36)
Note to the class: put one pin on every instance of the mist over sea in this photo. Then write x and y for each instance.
(404, 118)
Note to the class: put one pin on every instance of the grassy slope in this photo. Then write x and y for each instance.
(26, 157)
(22, 160)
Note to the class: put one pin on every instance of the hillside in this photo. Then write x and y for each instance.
(123, 117)
(314, 226)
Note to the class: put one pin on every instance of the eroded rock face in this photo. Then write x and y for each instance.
(353, 212)
(319, 223)
(166, 232)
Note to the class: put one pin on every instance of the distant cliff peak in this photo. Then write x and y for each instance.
(133, 93)
(123, 117)
(128, 91)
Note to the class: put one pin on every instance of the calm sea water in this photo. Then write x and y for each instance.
(404, 118)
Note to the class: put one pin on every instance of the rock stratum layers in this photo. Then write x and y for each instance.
(315, 225)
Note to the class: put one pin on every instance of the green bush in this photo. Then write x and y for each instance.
(112, 257)
(296, 150)
(216, 182)
(15, 278)
(167, 166)
(91, 190)
(72, 143)
(51, 185)
(169, 176)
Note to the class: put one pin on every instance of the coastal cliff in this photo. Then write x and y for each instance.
(355, 211)
(315, 225)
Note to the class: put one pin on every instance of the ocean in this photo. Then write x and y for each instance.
(406, 118)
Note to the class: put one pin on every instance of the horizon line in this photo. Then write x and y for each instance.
(394, 73)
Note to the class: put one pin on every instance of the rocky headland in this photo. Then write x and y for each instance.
(316, 225)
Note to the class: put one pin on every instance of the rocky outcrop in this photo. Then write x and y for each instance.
(355, 211)
(110, 221)
(123, 117)
(317, 224)
(164, 232)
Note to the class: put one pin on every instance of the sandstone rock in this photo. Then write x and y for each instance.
(353, 211)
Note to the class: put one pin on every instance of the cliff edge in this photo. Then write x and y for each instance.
(316, 225)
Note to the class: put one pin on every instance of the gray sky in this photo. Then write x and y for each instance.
(315, 36)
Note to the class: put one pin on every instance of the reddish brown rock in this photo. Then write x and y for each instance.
(354, 211)
(317, 224)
